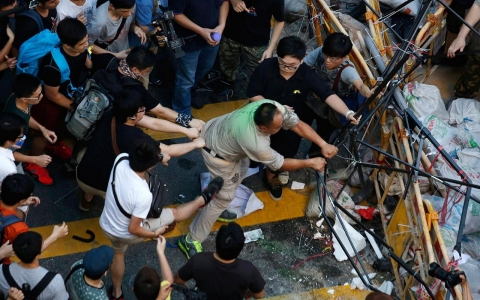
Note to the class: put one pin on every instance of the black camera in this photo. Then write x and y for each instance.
(165, 22)
(451, 278)
(190, 294)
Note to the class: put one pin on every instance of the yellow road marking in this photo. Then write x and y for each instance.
(291, 206)
(207, 113)
(343, 292)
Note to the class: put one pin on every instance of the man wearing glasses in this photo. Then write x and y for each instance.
(27, 91)
(288, 81)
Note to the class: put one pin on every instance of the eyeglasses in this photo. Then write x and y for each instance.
(140, 111)
(332, 59)
(160, 157)
(35, 98)
(21, 136)
(287, 67)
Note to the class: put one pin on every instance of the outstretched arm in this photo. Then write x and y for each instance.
(166, 126)
(304, 130)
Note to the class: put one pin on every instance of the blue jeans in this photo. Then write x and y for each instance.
(191, 67)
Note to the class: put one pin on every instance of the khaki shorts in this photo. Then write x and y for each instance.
(120, 245)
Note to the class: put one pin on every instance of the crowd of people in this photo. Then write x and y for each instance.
(116, 43)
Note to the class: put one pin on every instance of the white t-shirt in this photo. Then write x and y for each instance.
(7, 164)
(67, 8)
(134, 196)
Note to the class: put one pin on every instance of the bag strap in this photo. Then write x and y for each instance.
(115, 192)
(9, 220)
(114, 137)
(339, 74)
(73, 270)
(38, 289)
(61, 63)
(33, 14)
(8, 277)
(119, 30)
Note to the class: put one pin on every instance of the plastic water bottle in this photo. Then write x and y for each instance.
(216, 36)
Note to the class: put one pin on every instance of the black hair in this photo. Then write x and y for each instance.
(337, 44)
(292, 46)
(71, 31)
(24, 85)
(147, 284)
(43, 1)
(5, 3)
(140, 57)
(15, 188)
(230, 241)
(122, 4)
(143, 154)
(264, 114)
(378, 296)
(127, 104)
(27, 246)
(11, 126)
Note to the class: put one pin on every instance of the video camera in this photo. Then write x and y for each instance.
(21, 6)
(165, 22)
(190, 294)
(451, 278)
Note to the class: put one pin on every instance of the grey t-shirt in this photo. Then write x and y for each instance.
(349, 74)
(54, 291)
(235, 136)
(103, 29)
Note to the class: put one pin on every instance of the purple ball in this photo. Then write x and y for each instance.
(216, 36)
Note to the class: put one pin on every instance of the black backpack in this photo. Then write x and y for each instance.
(30, 294)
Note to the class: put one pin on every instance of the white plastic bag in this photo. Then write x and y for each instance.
(464, 110)
(425, 100)
(471, 157)
(357, 239)
(445, 135)
(411, 9)
(468, 134)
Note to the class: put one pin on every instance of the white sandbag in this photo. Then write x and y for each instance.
(425, 100)
(367, 157)
(464, 110)
(468, 134)
(411, 9)
(352, 26)
(445, 135)
(471, 157)
(357, 239)
(313, 209)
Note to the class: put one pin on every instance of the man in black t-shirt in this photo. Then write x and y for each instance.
(248, 31)
(196, 21)
(287, 80)
(52, 110)
(31, 22)
(222, 275)
(93, 170)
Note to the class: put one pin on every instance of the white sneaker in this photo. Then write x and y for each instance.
(283, 176)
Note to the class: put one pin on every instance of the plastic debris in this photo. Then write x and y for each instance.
(319, 222)
(331, 292)
(374, 244)
(253, 235)
(358, 284)
(297, 185)
(386, 287)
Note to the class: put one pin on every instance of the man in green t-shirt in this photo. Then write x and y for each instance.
(27, 91)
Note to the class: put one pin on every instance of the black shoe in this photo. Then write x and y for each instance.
(214, 186)
(274, 187)
(196, 102)
(227, 216)
(364, 193)
(223, 87)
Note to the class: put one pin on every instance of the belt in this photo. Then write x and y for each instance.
(212, 153)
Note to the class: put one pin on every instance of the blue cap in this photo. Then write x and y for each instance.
(97, 261)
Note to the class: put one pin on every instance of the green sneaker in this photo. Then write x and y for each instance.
(188, 246)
